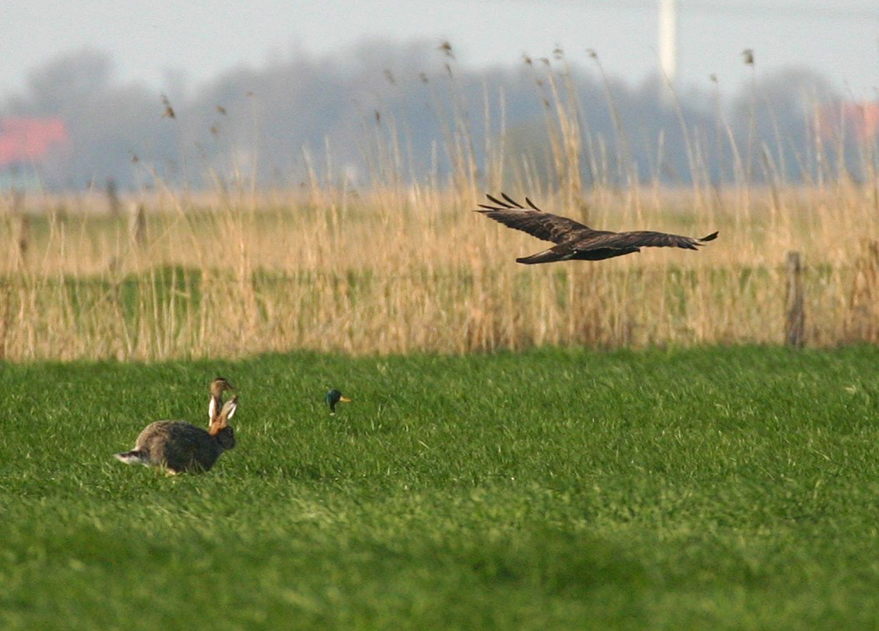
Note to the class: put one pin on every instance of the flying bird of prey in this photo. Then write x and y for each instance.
(573, 240)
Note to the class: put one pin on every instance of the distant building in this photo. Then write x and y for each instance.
(856, 121)
(26, 144)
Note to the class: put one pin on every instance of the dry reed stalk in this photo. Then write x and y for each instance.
(431, 276)
(862, 323)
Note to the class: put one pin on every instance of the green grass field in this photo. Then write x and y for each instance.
(713, 488)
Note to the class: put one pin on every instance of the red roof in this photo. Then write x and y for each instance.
(24, 140)
(859, 119)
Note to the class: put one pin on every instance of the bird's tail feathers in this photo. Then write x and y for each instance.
(135, 456)
(547, 256)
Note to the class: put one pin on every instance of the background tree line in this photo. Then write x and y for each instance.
(265, 122)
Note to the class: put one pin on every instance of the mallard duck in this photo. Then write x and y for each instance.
(575, 240)
(333, 397)
(182, 447)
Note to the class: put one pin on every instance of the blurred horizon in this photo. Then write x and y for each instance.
(275, 125)
(165, 42)
(247, 99)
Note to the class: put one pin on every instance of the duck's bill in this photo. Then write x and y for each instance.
(345, 400)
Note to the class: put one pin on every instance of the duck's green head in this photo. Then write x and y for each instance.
(333, 397)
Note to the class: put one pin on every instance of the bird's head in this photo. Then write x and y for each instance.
(333, 397)
(220, 385)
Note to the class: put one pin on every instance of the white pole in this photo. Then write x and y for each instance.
(668, 45)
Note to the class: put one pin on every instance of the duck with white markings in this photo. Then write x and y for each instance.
(333, 398)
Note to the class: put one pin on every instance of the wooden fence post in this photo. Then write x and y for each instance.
(113, 202)
(795, 316)
(23, 236)
(138, 225)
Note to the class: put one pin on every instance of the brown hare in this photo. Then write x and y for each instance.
(182, 447)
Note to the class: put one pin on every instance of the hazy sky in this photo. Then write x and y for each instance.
(148, 39)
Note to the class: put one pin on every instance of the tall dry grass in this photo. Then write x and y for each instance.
(396, 266)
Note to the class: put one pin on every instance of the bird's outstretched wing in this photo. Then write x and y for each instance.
(642, 238)
(531, 220)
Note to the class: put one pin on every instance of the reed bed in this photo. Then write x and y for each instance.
(399, 265)
(385, 272)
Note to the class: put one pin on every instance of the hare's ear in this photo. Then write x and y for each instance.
(213, 412)
(221, 420)
(228, 410)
